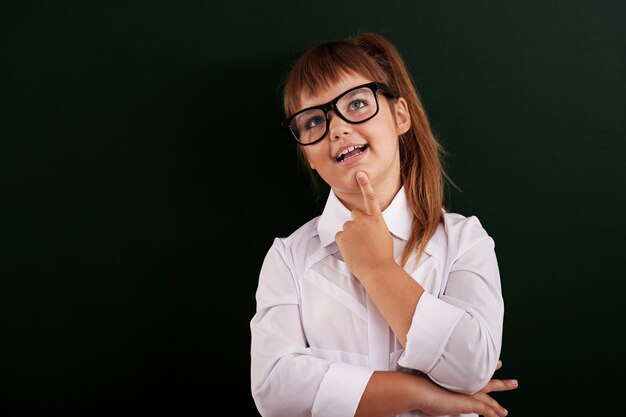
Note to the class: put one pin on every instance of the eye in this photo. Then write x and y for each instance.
(313, 122)
(357, 104)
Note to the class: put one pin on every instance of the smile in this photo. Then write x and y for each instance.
(350, 152)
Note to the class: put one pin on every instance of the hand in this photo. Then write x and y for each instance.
(442, 402)
(447, 402)
(365, 242)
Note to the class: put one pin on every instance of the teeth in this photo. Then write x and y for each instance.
(349, 149)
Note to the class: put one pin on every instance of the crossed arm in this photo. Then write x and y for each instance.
(396, 297)
(390, 393)
(288, 377)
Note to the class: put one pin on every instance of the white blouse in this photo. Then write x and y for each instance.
(317, 336)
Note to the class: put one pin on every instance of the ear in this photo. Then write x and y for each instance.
(402, 116)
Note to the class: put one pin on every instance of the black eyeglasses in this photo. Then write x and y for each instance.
(357, 105)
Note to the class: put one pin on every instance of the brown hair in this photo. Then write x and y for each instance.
(373, 56)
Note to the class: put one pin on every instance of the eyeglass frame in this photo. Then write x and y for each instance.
(332, 105)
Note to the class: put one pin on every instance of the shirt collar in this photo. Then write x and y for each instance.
(397, 215)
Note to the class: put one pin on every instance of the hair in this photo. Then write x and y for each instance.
(373, 56)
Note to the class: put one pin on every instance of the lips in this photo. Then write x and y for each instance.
(350, 152)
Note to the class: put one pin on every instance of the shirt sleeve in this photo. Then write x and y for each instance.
(456, 339)
(286, 378)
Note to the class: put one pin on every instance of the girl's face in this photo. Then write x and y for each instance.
(372, 146)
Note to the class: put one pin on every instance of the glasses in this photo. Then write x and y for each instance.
(357, 105)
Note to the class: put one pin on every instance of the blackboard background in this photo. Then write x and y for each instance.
(143, 177)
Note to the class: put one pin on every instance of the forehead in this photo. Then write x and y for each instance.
(324, 95)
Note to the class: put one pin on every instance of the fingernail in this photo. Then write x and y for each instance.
(360, 174)
(514, 382)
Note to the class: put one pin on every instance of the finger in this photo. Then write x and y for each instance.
(500, 385)
(499, 365)
(484, 410)
(371, 204)
(493, 407)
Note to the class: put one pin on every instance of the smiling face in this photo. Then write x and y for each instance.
(371, 146)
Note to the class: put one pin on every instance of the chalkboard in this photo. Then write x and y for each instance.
(143, 176)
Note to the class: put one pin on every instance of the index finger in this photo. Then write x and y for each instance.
(369, 197)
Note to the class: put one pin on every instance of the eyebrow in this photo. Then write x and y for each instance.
(345, 92)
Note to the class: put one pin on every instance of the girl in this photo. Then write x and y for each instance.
(385, 304)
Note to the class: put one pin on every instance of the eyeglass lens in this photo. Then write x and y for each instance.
(355, 106)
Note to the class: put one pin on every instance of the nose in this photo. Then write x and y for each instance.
(337, 127)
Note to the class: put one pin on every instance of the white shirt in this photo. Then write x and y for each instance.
(317, 336)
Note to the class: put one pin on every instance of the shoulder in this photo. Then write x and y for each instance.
(466, 227)
(462, 232)
(302, 234)
(298, 241)
(285, 259)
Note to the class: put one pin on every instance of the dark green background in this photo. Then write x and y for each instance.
(143, 177)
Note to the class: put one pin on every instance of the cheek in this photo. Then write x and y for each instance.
(313, 155)
(386, 137)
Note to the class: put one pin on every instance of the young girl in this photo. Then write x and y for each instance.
(386, 304)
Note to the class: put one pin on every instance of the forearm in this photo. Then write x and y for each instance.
(389, 393)
(396, 294)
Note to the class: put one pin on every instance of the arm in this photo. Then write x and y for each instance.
(396, 296)
(389, 393)
(287, 379)
(473, 348)
(454, 339)
(367, 248)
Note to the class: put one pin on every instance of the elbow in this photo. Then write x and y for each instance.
(266, 393)
(266, 406)
(262, 393)
(476, 382)
(277, 396)
(470, 366)
(478, 370)
(466, 378)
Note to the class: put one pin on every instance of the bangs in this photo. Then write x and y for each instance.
(325, 65)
